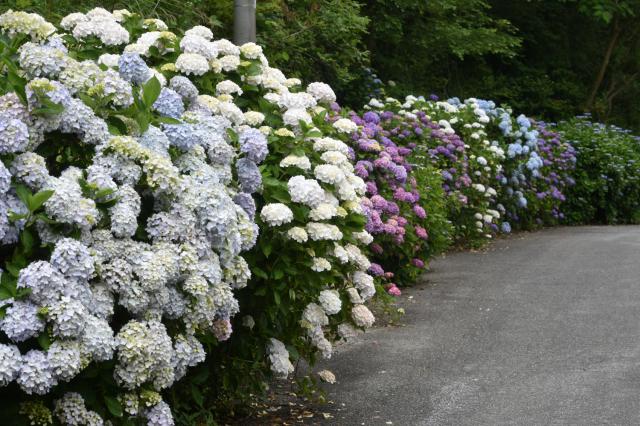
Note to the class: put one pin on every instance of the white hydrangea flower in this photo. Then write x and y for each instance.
(314, 315)
(330, 301)
(229, 63)
(305, 191)
(279, 358)
(329, 173)
(323, 232)
(300, 100)
(318, 339)
(354, 296)
(364, 283)
(363, 237)
(320, 264)
(344, 125)
(192, 63)
(323, 211)
(292, 82)
(200, 31)
(322, 92)
(251, 50)
(300, 161)
(293, 116)
(340, 253)
(276, 214)
(226, 47)
(330, 144)
(192, 43)
(73, 19)
(228, 87)
(298, 234)
(254, 118)
(362, 316)
(347, 331)
(30, 24)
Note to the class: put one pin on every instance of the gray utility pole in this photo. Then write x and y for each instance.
(244, 21)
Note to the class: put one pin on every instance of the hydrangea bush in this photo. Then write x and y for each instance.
(123, 217)
(607, 175)
(140, 164)
(404, 207)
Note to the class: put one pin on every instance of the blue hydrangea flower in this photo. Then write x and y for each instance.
(534, 162)
(523, 121)
(14, 135)
(249, 175)
(182, 136)
(169, 103)
(184, 87)
(247, 203)
(133, 68)
(254, 144)
(506, 227)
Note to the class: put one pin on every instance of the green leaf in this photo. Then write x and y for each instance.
(167, 120)
(143, 121)
(151, 91)
(254, 69)
(278, 274)
(44, 340)
(276, 298)
(114, 406)
(39, 199)
(5, 294)
(116, 123)
(24, 194)
(266, 248)
(14, 217)
(107, 204)
(315, 133)
(104, 192)
(197, 395)
(27, 240)
(260, 273)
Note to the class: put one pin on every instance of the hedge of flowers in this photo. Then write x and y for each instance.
(180, 222)
(498, 170)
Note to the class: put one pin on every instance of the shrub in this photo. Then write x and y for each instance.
(404, 205)
(129, 189)
(607, 174)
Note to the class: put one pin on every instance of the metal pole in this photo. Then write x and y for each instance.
(244, 21)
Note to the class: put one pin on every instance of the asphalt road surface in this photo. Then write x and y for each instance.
(540, 329)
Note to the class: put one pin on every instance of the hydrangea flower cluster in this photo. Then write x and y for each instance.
(400, 188)
(122, 207)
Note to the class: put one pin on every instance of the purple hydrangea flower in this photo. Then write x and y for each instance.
(249, 175)
(254, 144)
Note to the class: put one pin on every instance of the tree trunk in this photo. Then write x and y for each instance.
(244, 21)
(605, 64)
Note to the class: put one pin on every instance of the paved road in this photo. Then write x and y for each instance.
(541, 329)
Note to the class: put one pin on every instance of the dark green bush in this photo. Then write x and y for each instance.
(607, 175)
